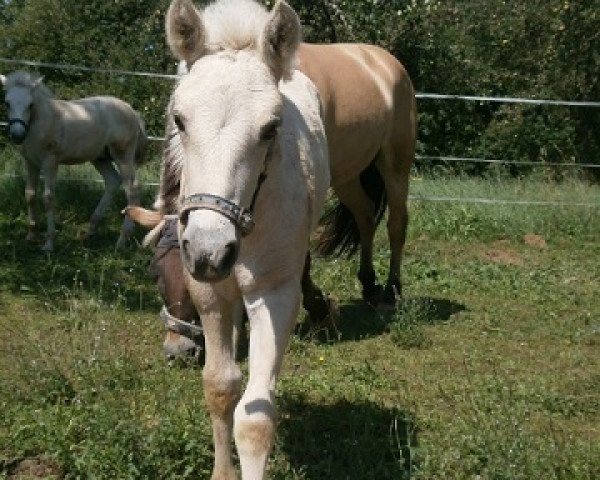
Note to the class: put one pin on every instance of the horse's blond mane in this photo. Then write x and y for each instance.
(234, 24)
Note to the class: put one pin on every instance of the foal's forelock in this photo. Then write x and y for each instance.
(27, 80)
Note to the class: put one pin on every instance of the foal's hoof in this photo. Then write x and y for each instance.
(48, 246)
(121, 244)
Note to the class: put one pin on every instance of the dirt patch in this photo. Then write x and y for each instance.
(36, 467)
(534, 240)
(500, 253)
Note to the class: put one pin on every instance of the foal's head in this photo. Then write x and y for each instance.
(227, 110)
(20, 88)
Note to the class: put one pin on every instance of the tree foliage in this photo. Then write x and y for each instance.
(535, 49)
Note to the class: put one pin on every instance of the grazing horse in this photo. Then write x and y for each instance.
(254, 177)
(50, 132)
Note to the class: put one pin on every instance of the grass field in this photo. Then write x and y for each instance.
(490, 368)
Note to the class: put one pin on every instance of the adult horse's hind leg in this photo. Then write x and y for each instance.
(112, 182)
(354, 197)
(321, 310)
(126, 162)
(395, 165)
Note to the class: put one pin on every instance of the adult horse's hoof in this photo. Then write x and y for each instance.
(323, 310)
(391, 296)
(373, 295)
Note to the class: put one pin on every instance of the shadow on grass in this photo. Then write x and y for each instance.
(359, 320)
(77, 266)
(347, 440)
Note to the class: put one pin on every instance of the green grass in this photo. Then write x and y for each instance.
(489, 369)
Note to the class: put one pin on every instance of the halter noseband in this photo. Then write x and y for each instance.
(186, 329)
(241, 217)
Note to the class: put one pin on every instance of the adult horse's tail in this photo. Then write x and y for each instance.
(339, 232)
(141, 147)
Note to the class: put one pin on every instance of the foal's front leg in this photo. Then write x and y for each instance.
(49, 170)
(272, 316)
(33, 176)
(222, 377)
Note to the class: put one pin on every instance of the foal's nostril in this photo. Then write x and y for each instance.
(224, 262)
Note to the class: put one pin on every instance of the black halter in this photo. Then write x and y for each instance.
(241, 217)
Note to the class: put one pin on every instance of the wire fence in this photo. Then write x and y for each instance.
(421, 158)
(414, 198)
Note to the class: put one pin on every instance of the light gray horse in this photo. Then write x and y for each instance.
(50, 132)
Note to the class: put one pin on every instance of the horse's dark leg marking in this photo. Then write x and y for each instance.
(316, 304)
(352, 195)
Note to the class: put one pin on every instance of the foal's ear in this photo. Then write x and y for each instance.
(37, 82)
(185, 31)
(2, 79)
(280, 39)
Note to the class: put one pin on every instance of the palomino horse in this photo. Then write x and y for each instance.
(254, 178)
(369, 110)
(52, 132)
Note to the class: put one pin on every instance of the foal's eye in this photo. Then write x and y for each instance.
(269, 131)
(179, 123)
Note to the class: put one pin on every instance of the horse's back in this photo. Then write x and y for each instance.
(93, 124)
(367, 96)
(111, 111)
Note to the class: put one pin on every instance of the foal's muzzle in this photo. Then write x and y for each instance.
(209, 264)
(209, 245)
(209, 252)
(17, 130)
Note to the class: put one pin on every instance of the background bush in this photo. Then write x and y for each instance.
(536, 49)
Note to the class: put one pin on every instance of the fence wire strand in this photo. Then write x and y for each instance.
(431, 96)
